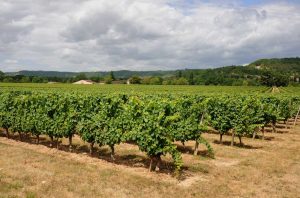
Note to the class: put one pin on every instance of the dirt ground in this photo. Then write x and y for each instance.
(261, 168)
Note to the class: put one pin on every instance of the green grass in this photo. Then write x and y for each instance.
(149, 89)
(120, 88)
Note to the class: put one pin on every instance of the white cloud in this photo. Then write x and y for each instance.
(78, 35)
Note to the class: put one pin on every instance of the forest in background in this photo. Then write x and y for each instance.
(268, 72)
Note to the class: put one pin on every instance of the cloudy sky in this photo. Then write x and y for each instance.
(98, 35)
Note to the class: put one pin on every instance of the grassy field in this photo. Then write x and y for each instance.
(147, 89)
(122, 88)
(268, 168)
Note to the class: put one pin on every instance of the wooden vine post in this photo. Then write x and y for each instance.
(232, 137)
(263, 133)
(296, 118)
(197, 143)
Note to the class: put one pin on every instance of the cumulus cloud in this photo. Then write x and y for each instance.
(86, 35)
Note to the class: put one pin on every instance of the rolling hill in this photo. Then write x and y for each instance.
(286, 69)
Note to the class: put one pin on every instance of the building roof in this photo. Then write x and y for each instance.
(84, 82)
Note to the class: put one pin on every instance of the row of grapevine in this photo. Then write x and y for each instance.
(153, 122)
(244, 115)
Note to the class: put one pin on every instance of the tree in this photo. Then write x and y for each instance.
(135, 80)
(181, 81)
(1, 75)
(146, 81)
(179, 74)
(112, 76)
(191, 79)
(37, 79)
(95, 78)
(80, 76)
(8, 79)
(25, 79)
(271, 78)
(167, 82)
(156, 81)
(108, 79)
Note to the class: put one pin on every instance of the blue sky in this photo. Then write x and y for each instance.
(239, 2)
(256, 2)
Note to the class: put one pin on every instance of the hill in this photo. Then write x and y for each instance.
(284, 71)
(290, 65)
(118, 74)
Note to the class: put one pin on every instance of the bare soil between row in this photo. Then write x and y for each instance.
(262, 168)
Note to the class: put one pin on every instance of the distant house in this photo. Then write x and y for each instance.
(84, 82)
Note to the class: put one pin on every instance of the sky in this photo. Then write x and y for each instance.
(102, 35)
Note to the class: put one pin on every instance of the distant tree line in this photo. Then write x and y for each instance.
(182, 77)
(220, 77)
(38, 79)
(267, 72)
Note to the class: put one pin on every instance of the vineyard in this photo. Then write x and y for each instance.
(138, 89)
(148, 141)
(153, 122)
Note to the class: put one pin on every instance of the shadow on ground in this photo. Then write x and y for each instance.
(130, 160)
(244, 146)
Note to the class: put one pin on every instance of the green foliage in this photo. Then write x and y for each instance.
(156, 81)
(154, 122)
(245, 113)
(210, 150)
(25, 79)
(37, 79)
(135, 80)
(271, 78)
(112, 75)
(1, 74)
(6, 105)
(180, 81)
(7, 79)
(152, 80)
(270, 72)
(189, 120)
(287, 65)
(219, 113)
(108, 80)
(150, 124)
(80, 76)
(191, 79)
(95, 79)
